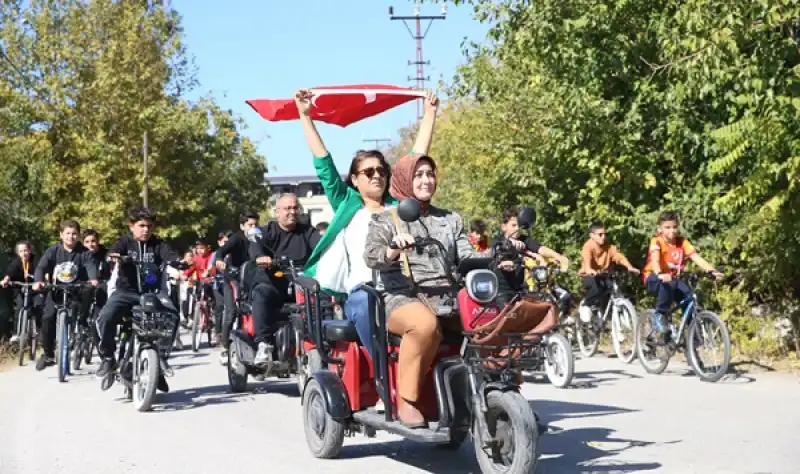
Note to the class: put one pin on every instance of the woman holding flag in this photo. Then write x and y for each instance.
(337, 262)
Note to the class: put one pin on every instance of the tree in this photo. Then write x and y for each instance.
(616, 111)
(90, 79)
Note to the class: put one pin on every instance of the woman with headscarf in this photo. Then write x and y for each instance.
(336, 262)
(411, 315)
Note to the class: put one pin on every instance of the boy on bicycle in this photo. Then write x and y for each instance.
(597, 256)
(70, 249)
(666, 258)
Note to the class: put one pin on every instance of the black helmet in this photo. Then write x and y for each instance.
(526, 218)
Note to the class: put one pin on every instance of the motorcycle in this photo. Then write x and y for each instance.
(146, 337)
(282, 361)
(464, 393)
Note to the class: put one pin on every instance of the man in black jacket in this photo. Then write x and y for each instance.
(229, 258)
(68, 250)
(141, 246)
(285, 238)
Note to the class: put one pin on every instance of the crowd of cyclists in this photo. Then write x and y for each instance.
(345, 254)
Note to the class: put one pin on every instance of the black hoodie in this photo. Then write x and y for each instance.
(99, 260)
(154, 251)
(15, 272)
(58, 254)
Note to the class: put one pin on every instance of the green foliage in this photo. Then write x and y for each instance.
(90, 79)
(616, 111)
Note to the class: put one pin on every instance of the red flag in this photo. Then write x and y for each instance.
(339, 105)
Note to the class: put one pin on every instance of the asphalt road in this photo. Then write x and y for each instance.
(616, 419)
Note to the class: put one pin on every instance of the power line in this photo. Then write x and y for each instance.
(378, 141)
(418, 37)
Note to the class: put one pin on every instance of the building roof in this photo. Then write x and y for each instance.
(294, 180)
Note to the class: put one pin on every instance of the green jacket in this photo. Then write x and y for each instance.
(345, 202)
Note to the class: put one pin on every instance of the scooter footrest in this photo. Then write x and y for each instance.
(420, 435)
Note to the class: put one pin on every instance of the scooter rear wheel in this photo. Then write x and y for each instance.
(324, 434)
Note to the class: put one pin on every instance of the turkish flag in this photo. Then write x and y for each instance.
(339, 105)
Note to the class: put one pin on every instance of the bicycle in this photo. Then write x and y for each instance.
(202, 322)
(623, 316)
(26, 326)
(85, 337)
(65, 319)
(558, 359)
(693, 322)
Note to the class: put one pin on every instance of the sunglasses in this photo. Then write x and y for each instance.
(370, 172)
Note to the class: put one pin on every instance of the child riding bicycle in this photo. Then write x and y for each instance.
(666, 258)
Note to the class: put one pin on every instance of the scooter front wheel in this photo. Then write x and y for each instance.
(145, 379)
(512, 444)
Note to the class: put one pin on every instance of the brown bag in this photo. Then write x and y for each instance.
(521, 318)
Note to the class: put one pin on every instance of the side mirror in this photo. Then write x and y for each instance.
(526, 217)
(408, 210)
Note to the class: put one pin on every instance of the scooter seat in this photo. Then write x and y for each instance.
(338, 330)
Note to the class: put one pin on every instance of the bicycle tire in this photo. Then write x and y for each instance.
(62, 345)
(692, 353)
(625, 304)
(23, 335)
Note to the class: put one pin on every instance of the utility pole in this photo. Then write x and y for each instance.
(378, 141)
(419, 36)
(146, 188)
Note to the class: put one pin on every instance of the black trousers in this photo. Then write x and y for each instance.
(119, 303)
(267, 302)
(79, 304)
(597, 290)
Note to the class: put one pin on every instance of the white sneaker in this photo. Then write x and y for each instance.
(14, 339)
(379, 406)
(264, 351)
(585, 314)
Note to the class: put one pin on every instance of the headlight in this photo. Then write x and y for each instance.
(481, 285)
(66, 272)
(540, 274)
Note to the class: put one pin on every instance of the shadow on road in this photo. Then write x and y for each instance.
(190, 398)
(594, 378)
(566, 451)
(584, 450)
(554, 410)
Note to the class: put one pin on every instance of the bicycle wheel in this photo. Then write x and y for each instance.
(62, 345)
(32, 339)
(77, 347)
(649, 349)
(23, 334)
(624, 319)
(587, 334)
(702, 329)
(196, 322)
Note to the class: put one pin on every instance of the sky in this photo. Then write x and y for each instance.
(266, 49)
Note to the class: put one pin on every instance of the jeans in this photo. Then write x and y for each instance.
(666, 293)
(357, 310)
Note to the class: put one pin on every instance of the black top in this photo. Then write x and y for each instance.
(236, 249)
(98, 259)
(296, 245)
(155, 251)
(513, 281)
(14, 272)
(58, 254)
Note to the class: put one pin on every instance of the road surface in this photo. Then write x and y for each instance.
(616, 419)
